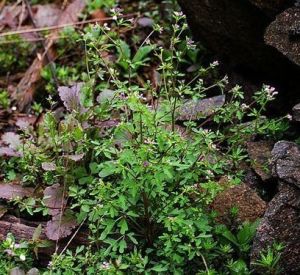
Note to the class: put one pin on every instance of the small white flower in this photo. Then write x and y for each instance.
(270, 91)
(131, 20)
(225, 79)
(105, 265)
(114, 17)
(289, 117)
(190, 43)
(215, 63)
(106, 27)
(22, 257)
(178, 13)
(13, 108)
(244, 106)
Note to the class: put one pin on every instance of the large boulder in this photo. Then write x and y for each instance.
(281, 224)
(286, 162)
(250, 206)
(235, 32)
(260, 154)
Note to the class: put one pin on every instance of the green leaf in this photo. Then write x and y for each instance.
(124, 54)
(37, 233)
(109, 226)
(123, 226)
(229, 236)
(141, 54)
(159, 268)
(122, 246)
(108, 168)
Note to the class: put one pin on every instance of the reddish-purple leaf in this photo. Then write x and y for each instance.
(11, 191)
(70, 96)
(61, 226)
(49, 166)
(75, 157)
(54, 199)
(9, 152)
(145, 22)
(24, 122)
(106, 95)
(11, 139)
(46, 15)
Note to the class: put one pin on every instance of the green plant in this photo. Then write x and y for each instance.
(269, 260)
(16, 57)
(137, 176)
(242, 240)
(4, 99)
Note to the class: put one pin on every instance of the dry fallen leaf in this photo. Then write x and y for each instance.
(70, 96)
(11, 139)
(54, 199)
(46, 15)
(61, 226)
(10, 191)
(26, 88)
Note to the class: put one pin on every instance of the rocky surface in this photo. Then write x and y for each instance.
(281, 224)
(235, 32)
(194, 110)
(283, 32)
(250, 205)
(281, 221)
(260, 155)
(286, 162)
(296, 112)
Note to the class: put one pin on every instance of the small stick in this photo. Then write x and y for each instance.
(49, 61)
(65, 25)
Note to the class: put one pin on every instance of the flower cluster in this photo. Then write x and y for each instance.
(270, 92)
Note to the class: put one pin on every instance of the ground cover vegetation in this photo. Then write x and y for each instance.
(120, 151)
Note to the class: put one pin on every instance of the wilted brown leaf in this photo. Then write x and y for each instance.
(49, 166)
(10, 191)
(75, 157)
(11, 139)
(70, 96)
(46, 15)
(27, 86)
(54, 199)
(61, 226)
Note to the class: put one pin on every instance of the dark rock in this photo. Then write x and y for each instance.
(250, 205)
(260, 155)
(281, 224)
(234, 32)
(286, 162)
(296, 112)
(282, 34)
(194, 110)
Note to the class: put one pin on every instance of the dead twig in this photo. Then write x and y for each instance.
(48, 59)
(61, 26)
